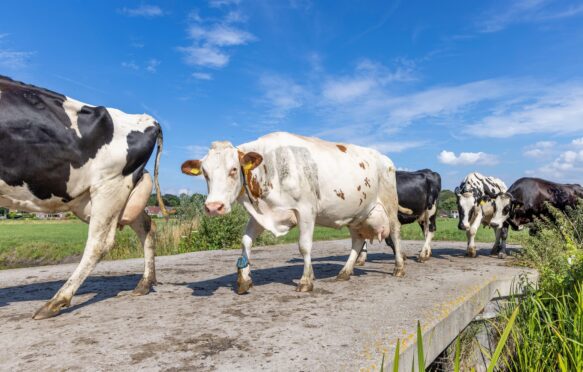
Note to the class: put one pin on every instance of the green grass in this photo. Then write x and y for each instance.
(28, 243)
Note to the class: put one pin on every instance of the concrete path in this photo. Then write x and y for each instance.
(194, 321)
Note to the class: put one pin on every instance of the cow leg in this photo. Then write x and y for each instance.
(357, 245)
(306, 228)
(252, 231)
(107, 202)
(361, 260)
(471, 234)
(425, 253)
(502, 252)
(496, 247)
(390, 244)
(146, 229)
(396, 238)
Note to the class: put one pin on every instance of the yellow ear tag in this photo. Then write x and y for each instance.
(482, 202)
(247, 167)
(195, 171)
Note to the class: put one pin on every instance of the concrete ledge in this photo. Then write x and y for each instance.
(195, 321)
(444, 323)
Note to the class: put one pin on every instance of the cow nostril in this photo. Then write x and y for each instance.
(221, 207)
(207, 209)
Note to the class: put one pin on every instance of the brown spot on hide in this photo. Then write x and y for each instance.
(340, 194)
(358, 188)
(364, 194)
(341, 148)
(360, 202)
(367, 182)
(254, 187)
(362, 165)
(264, 168)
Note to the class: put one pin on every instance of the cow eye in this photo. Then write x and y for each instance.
(233, 172)
(506, 210)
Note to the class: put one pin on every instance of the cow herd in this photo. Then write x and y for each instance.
(59, 154)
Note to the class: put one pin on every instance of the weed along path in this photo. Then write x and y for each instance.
(195, 321)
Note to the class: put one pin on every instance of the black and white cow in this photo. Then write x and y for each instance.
(474, 210)
(58, 154)
(417, 191)
(525, 200)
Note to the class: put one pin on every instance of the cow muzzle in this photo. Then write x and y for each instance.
(215, 208)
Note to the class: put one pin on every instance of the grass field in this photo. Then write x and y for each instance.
(31, 243)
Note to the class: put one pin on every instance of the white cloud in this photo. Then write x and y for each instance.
(147, 11)
(184, 191)
(577, 142)
(466, 158)
(540, 149)
(525, 11)
(347, 89)
(568, 166)
(221, 3)
(210, 39)
(392, 146)
(197, 151)
(206, 56)
(220, 35)
(281, 96)
(549, 109)
(13, 59)
(202, 76)
(131, 65)
(152, 65)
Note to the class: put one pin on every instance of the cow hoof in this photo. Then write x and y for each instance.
(471, 252)
(399, 272)
(422, 258)
(343, 276)
(359, 262)
(501, 255)
(305, 287)
(143, 288)
(50, 309)
(243, 286)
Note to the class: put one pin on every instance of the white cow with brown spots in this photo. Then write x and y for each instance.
(285, 180)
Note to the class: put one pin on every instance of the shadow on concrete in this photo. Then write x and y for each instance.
(104, 287)
(283, 274)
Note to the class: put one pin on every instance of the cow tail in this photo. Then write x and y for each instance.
(159, 142)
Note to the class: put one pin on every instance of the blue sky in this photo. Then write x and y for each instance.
(456, 86)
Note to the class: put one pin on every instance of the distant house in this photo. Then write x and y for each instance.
(154, 211)
(454, 214)
(51, 216)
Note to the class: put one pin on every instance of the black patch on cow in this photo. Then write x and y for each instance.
(37, 144)
(417, 191)
(140, 147)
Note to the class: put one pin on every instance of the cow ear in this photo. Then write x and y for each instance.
(457, 190)
(191, 168)
(250, 161)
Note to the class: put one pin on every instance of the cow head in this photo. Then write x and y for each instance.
(507, 209)
(466, 201)
(223, 168)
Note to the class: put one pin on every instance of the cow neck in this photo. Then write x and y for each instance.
(245, 188)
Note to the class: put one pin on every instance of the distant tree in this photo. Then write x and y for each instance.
(152, 201)
(171, 200)
(447, 200)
